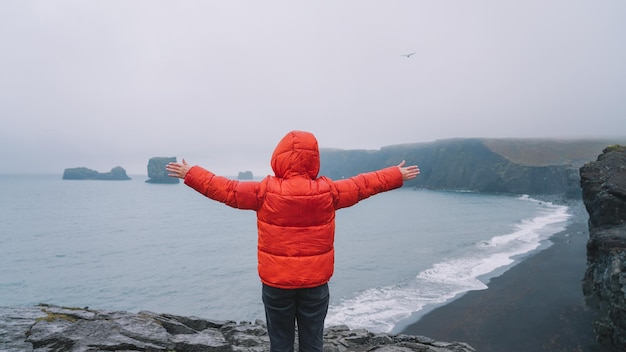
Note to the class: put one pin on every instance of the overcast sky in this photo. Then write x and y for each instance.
(107, 83)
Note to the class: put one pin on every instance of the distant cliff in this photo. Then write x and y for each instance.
(604, 193)
(517, 166)
(83, 173)
(157, 172)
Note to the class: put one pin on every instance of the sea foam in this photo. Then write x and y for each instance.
(381, 309)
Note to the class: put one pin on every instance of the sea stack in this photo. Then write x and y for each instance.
(157, 172)
(82, 173)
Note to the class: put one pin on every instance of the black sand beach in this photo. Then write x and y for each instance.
(537, 305)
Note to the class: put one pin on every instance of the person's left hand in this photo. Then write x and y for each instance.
(408, 172)
(178, 170)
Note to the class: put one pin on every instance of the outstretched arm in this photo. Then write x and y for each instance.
(241, 195)
(408, 172)
(178, 170)
(354, 189)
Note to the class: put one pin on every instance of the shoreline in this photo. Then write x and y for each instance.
(536, 305)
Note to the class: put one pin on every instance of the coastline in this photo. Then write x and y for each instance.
(537, 305)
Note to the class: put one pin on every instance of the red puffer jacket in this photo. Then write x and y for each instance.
(295, 209)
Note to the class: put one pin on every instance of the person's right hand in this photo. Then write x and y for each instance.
(178, 170)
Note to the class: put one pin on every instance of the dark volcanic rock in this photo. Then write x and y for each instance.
(604, 193)
(157, 172)
(83, 173)
(72, 329)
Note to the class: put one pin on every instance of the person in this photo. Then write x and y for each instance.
(296, 226)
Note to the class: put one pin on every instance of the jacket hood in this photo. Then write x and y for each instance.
(296, 154)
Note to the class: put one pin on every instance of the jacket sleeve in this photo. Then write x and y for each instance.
(354, 189)
(236, 194)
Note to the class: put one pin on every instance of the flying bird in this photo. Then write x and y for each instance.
(408, 55)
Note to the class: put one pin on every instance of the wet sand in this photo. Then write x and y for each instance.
(537, 305)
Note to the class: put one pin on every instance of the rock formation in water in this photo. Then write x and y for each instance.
(245, 175)
(82, 173)
(157, 172)
(51, 328)
(604, 193)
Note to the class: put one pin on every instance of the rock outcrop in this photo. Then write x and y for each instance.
(157, 172)
(604, 193)
(245, 175)
(82, 173)
(81, 329)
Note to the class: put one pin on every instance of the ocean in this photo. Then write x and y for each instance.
(132, 246)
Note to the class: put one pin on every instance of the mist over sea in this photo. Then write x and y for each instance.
(130, 245)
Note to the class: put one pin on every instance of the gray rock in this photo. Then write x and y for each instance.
(157, 172)
(245, 175)
(205, 340)
(82, 173)
(14, 323)
(50, 328)
(603, 184)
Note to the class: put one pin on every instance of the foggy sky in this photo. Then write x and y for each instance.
(107, 83)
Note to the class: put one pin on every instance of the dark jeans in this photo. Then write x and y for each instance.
(306, 306)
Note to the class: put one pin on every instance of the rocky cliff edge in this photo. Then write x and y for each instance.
(52, 328)
(603, 184)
